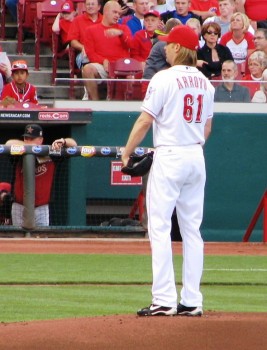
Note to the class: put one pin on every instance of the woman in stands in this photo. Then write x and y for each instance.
(212, 55)
(239, 40)
(257, 63)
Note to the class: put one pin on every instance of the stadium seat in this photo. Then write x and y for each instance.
(128, 69)
(69, 52)
(26, 15)
(46, 13)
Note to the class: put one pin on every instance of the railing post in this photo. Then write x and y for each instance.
(29, 191)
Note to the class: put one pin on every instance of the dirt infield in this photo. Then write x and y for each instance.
(213, 331)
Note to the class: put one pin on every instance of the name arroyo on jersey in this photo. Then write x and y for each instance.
(189, 81)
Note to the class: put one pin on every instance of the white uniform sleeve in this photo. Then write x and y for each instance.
(155, 95)
(210, 110)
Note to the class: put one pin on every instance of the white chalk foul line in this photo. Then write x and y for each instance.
(238, 270)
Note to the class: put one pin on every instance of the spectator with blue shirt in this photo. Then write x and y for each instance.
(181, 12)
(136, 21)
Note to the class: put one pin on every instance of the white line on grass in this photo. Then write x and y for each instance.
(238, 270)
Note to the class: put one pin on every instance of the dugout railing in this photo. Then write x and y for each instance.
(29, 154)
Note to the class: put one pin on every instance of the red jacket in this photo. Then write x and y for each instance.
(29, 94)
(141, 45)
(44, 175)
(78, 27)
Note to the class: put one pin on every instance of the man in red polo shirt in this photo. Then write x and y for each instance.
(205, 8)
(76, 35)
(106, 41)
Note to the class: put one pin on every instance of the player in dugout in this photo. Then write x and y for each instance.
(44, 175)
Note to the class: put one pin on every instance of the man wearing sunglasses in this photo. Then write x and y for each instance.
(212, 55)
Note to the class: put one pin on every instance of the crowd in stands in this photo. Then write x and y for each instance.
(232, 42)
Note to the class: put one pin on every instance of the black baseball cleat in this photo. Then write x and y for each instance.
(156, 310)
(189, 311)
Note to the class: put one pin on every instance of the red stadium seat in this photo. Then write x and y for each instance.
(70, 52)
(128, 69)
(26, 16)
(46, 13)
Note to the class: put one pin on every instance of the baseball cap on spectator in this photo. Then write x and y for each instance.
(183, 35)
(67, 7)
(152, 13)
(33, 131)
(19, 65)
(5, 186)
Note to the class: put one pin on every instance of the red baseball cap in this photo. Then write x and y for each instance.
(67, 7)
(5, 186)
(18, 65)
(152, 13)
(183, 35)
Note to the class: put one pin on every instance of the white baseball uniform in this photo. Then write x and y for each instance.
(41, 215)
(181, 100)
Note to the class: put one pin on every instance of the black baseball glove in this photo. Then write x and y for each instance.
(138, 165)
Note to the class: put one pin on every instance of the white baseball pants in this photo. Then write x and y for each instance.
(41, 214)
(177, 178)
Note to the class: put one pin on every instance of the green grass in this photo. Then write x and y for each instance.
(35, 287)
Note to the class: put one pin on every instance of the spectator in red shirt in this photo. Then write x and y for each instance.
(239, 40)
(144, 39)
(63, 22)
(205, 8)
(256, 10)
(77, 30)
(19, 89)
(106, 41)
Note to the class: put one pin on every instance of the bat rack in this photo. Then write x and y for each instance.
(138, 206)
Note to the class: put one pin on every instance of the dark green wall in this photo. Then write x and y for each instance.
(236, 160)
